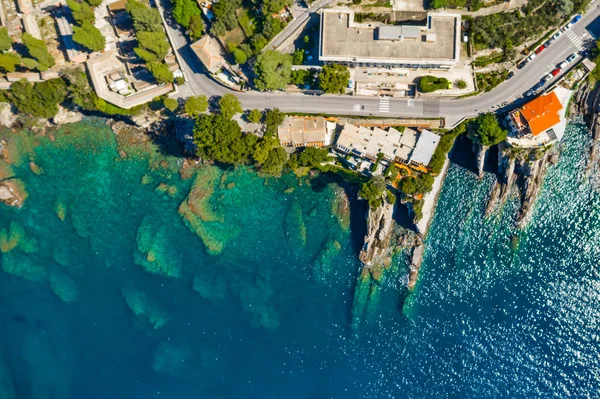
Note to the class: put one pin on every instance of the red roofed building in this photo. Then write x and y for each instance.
(542, 113)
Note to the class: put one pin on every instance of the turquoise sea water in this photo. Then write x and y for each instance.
(123, 300)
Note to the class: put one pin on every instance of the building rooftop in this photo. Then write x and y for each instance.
(426, 145)
(209, 54)
(542, 113)
(302, 131)
(369, 143)
(344, 40)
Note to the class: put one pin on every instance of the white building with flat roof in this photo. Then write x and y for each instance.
(432, 43)
(426, 146)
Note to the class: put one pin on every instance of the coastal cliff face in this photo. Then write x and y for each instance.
(376, 250)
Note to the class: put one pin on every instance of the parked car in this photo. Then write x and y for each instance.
(530, 58)
(537, 86)
(554, 73)
(547, 78)
(528, 93)
(563, 64)
(549, 42)
(572, 57)
(575, 18)
(540, 49)
(557, 35)
(511, 74)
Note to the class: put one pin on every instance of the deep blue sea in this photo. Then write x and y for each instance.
(126, 276)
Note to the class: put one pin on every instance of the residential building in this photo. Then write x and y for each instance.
(541, 121)
(208, 52)
(425, 148)
(408, 147)
(434, 42)
(305, 132)
(368, 143)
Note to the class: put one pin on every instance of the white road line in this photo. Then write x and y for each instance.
(384, 105)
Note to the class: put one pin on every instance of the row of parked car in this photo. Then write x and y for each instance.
(552, 74)
(549, 41)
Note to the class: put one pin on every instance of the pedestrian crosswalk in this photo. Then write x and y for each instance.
(384, 104)
(576, 40)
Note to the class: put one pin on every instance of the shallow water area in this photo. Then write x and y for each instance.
(124, 278)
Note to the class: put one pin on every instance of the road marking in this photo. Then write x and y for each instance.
(576, 40)
(356, 107)
(384, 104)
(410, 103)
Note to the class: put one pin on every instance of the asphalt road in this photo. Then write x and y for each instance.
(453, 110)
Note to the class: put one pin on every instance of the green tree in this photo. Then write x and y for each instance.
(30, 64)
(429, 84)
(313, 157)
(39, 100)
(273, 118)
(274, 6)
(301, 77)
(218, 28)
(258, 42)
(222, 140)
(94, 3)
(239, 56)
(171, 104)
(255, 116)
(145, 19)
(196, 27)
(272, 26)
(273, 70)
(487, 130)
(161, 72)
(334, 78)
(461, 84)
(229, 105)
(263, 149)
(408, 185)
(373, 190)
(38, 50)
(5, 39)
(423, 183)
(298, 57)
(225, 11)
(196, 105)
(275, 162)
(184, 10)
(89, 37)
(82, 12)
(9, 62)
(155, 42)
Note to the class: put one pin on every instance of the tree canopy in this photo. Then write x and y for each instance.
(229, 106)
(221, 139)
(273, 118)
(40, 99)
(255, 116)
(195, 27)
(273, 70)
(38, 50)
(487, 130)
(334, 78)
(145, 19)
(161, 72)
(196, 105)
(5, 39)
(89, 36)
(373, 190)
(9, 62)
(171, 104)
(184, 10)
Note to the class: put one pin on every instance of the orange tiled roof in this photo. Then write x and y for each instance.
(542, 113)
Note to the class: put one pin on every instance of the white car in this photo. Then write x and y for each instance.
(563, 64)
(557, 35)
(572, 57)
(547, 78)
(531, 57)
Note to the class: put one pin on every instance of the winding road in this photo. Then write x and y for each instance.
(452, 110)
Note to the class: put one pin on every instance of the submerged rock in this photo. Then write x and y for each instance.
(7, 386)
(13, 193)
(145, 309)
(340, 207)
(60, 208)
(295, 226)
(154, 252)
(63, 287)
(169, 359)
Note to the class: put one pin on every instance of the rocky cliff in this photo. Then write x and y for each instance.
(376, 250)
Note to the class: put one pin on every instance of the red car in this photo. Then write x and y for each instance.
(540, 49)
(555, 72)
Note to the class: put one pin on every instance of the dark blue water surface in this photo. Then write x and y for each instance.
(111, 290)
